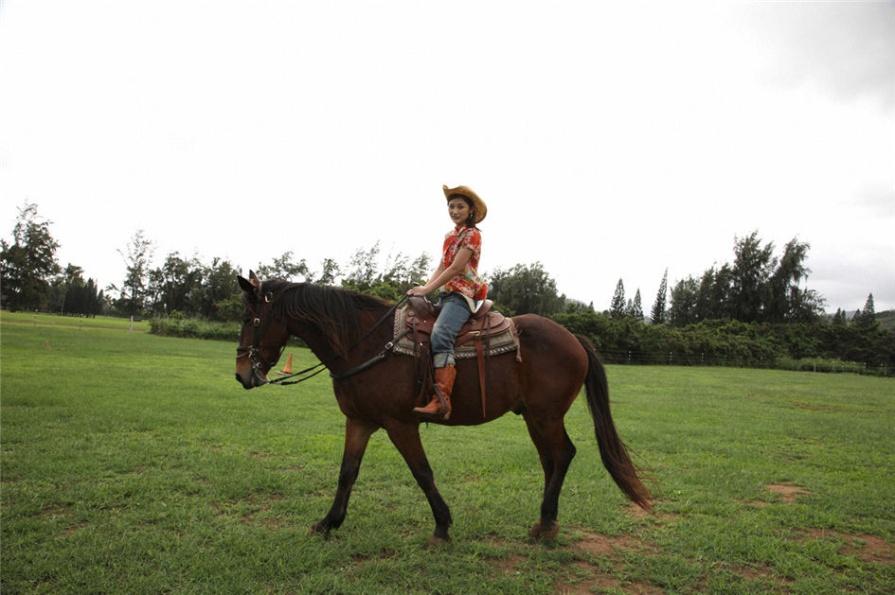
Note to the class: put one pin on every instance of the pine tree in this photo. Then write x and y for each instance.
(870, 308)
(618, 307)
(657, 315)
(635, 311)
(866, 319)
(839, 319)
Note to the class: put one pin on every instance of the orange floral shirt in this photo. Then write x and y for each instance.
(467, 282)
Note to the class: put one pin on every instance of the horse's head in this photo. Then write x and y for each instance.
(263, 336)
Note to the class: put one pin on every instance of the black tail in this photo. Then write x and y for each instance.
(612, 449)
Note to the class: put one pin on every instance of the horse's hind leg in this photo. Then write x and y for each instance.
(357, 436)
(556, 451)
(406, 438)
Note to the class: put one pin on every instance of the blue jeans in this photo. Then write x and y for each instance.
(454, 314)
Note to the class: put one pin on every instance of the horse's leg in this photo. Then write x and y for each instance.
(406, 438)
(556, 451)
(357, 436)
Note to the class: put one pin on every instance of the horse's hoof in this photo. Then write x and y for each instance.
(439, 538)
(539, 533)
(319, 529)
(436, 541)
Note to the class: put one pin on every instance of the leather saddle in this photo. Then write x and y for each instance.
(486, 333)
(421, 314)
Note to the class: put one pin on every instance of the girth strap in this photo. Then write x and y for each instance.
(480, 354)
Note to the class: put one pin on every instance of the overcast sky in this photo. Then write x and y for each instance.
(610, 140)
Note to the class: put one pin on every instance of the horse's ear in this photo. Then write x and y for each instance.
(253, 278)
(245, 285)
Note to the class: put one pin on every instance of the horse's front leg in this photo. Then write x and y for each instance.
(406, 438)
(357, 436)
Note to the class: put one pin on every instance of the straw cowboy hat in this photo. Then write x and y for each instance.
(481, 209)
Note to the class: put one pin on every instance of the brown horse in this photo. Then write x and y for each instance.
(376, 388)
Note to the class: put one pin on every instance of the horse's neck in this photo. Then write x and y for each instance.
(315, 339)
(328, 352)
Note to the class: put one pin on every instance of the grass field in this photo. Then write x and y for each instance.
(136, 464)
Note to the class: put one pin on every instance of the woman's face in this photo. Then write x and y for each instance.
(459, 210)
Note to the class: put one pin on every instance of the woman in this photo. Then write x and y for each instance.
(461, 287)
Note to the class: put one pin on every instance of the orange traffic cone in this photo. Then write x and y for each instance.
(287, 369)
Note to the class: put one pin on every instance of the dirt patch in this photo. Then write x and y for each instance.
(754, 573)
(869, 548)
(816, 407)
(595, 556)
(587, 575)
(635, 512)
(587, 582)
(55, 514)
(384, 554)
(597, 544)
(507, 565)
(763, 574)
(788, 493)
(638, 514)
(586, 579)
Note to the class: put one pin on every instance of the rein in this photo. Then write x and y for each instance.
(312, 371)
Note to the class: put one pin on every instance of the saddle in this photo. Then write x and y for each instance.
(487, 333)
(420, 315)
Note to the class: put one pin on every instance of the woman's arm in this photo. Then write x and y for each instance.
(442, 275)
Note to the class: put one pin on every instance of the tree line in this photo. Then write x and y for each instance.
(31, 277)
(755, 309)
(757, 287)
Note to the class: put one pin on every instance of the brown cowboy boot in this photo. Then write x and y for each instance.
(444, 378)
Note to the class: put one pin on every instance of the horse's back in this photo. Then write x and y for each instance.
(542, 335)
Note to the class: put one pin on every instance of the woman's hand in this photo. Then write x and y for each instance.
(418, 291)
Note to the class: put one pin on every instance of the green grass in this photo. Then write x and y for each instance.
(81, 322)
(136, 463)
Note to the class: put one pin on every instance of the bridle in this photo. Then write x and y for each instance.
(253, 352)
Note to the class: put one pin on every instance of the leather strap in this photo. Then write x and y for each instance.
(480, 353)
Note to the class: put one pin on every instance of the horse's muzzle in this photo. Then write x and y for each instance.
(252, 379)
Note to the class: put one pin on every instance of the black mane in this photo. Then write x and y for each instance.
(332, 310)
